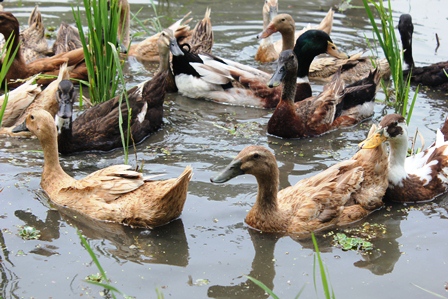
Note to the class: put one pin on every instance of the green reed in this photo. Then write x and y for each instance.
(8, 57)
(103, 277)
(103, 17)
(328, 290)
(123, 94)
(391, 47)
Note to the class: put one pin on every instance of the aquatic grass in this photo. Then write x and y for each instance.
(96, 279)
(388, 41)
(8, 57)
(102, 19)
(124, 137)
(328, 290)
(102, 275)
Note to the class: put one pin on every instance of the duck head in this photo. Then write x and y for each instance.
(392, 128)
(310, 44)
(255, 160)
(167, 40)
(286, 68)
(40, 123)
(283, 23)
(65, 96)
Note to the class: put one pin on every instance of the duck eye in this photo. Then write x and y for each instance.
(283, 19)
(32, 116)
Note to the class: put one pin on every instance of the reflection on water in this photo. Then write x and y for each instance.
(263, 269)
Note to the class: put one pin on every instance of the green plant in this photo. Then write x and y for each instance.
(389, 43)
(124, 137)
(103, 20)
(97, 278)
(8, 57)
(29, 233)
(328, 291)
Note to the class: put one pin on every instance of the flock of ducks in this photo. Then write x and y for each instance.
(344, 193)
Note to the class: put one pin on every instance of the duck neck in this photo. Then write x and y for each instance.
(164, 61)
(397, 158)
(288, 38)
(267, 191)
(52, 171)
(408, 60)
(289, 87)
(304, 62)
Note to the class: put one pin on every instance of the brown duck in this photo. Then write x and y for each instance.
(115, 193)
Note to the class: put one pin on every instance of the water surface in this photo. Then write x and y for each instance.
(208, 252)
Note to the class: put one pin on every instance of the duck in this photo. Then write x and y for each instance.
(67, 39)
(114, 194)
(206, 76)
(45, 66)
(336, 106)
(147, 50)
(434, 75)
(343, 193)
(34, 45)
(18, 100)
(354, 68)
(97, 129)
(268, 51)
(45, 99)
(418, 178)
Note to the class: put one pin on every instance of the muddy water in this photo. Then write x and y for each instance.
(208, 252)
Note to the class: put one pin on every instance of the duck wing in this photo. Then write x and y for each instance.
(106, 184)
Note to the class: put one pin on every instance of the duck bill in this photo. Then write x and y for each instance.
(333, 51)
(373, 141)
(65, 109)
(20, 128)
(277, 77)
(267, 32)
(174, 48)
(232, 170)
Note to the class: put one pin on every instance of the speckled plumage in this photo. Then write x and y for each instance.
(344, 193)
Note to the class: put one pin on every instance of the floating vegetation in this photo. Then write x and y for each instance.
(351, 243)
(246, 130)
(29, 233)
(94, 277)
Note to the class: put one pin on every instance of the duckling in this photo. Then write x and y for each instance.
(34, 45)
(224, 81)
(46, 100)
(18, 100)
(344, 193)
(268, 50)
(48, 66)
(115, 194)
(418, 178)
(98, 127)
(67, 39)
(315, 115)
(354, 68)
(434, 75)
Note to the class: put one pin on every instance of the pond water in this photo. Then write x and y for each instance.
(208, 252)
